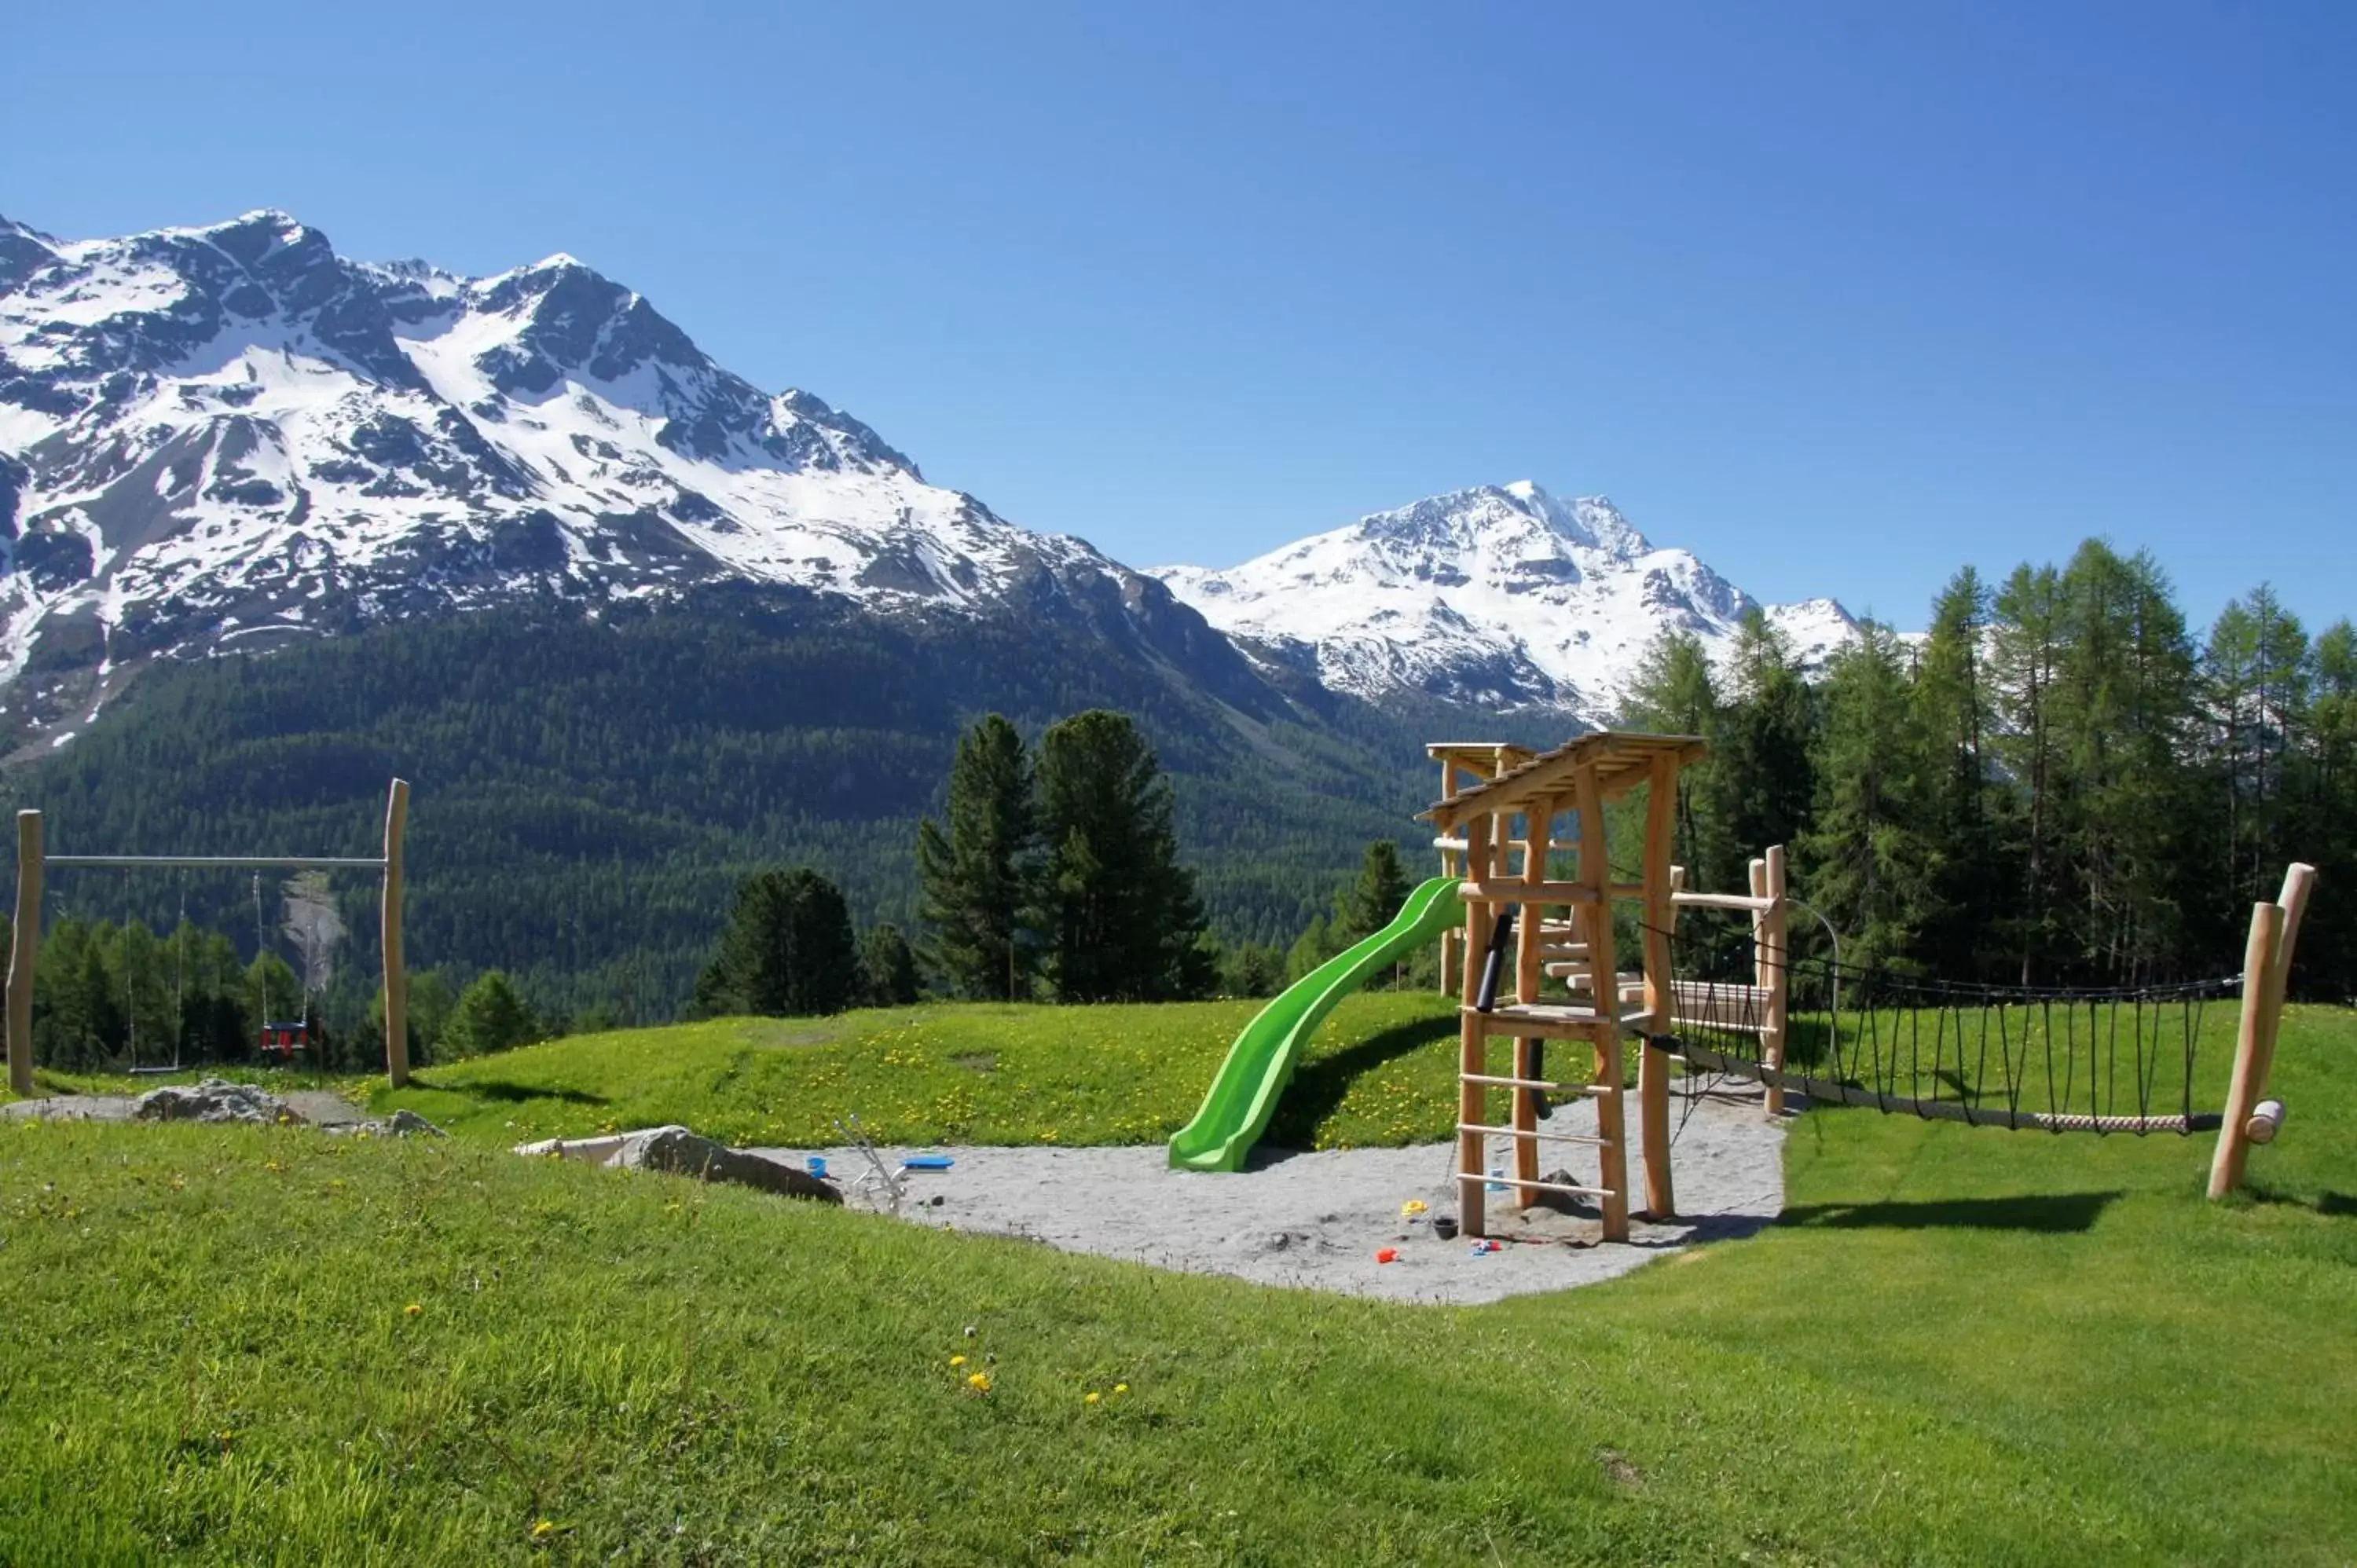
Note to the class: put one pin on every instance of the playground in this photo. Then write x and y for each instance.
(1919, 1313)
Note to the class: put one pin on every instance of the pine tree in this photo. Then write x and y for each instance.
(887, 969)
(787, 950)
(1116, 912)
(974, 876)
(490, 1016)
(1380, 889)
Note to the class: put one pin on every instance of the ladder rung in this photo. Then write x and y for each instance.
(1549, 1137)
(1588, 1088)
(1535, 1186)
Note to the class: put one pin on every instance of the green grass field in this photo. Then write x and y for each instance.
(1961, 1345)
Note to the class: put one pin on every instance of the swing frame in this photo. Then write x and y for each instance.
(33, 860)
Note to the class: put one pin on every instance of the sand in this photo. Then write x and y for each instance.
(1317, 1220)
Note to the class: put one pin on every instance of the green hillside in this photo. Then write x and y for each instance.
(588, 790)
(1959, 1347)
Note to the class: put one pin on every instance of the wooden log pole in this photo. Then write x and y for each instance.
(2234, 1147)
(396, 972)
(2263, 986)
(1612, 1121)
(25, 956)
(1529, 974)
(1473, 1043)
(1775, 967)
(1653, 1068)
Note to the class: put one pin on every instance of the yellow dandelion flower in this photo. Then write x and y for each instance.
(1092, 1397)
(542, 1529)
(957, 1360)
(412, 1310)
(978, 1381)
(1121, 1388)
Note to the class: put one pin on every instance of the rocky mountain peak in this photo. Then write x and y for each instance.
(229, 436)
(1500, 596)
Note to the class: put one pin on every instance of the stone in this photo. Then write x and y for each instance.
(683, 1152)
(214, 1099)
(406, 1124)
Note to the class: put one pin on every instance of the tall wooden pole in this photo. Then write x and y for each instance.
(396, 972)
(2243, 1090)
(1473, 1041)
(1653, 1067)
(1611, 1123)
(2266, 973)
(26, 954)
(1776, 971)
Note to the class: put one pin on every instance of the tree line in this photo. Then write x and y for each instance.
(113, 997)
(2057, 784)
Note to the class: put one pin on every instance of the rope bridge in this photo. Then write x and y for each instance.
(2054, 1059)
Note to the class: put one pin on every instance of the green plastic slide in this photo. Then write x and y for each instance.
(1260, 1064)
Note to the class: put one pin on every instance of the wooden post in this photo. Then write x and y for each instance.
(2243, 1090)
(2266, 976)
(1611, 1124)
(1473, 1055)
(1653, 1067)
(27, 955)
(1775, 969)
(1530, 973)
(396, 972)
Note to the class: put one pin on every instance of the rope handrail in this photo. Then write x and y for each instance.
(2060, 1059)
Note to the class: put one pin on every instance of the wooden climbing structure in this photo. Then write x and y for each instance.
(1507, 816)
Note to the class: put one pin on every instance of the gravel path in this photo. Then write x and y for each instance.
(319, 1107)
(1315, 1221)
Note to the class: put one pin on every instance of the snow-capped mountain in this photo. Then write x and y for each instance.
(225, 437)
(1497, 596)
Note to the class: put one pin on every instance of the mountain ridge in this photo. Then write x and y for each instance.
(1495, 595)
(224, 435)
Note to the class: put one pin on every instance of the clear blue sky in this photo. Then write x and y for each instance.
(1839, 295)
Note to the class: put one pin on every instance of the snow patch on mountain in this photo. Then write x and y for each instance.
(1501, 596)
(225, 435)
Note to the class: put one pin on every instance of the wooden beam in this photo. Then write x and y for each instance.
(25, 956)
(1778, 923)
(1473, 1039)
(1596, 871)
(2233, 1146)
(2263, 986)
(1654, 1065)
(396, 972)
(1503, 890)
(1722, 901)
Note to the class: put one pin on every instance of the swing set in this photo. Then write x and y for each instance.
(283, 1038)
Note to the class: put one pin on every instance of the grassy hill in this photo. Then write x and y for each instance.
(1961, 1345)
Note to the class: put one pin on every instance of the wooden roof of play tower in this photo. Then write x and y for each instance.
(1622, 760)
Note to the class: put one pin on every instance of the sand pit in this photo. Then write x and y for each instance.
(1315, 1221)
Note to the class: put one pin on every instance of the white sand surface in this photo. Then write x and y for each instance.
(1317, 1220)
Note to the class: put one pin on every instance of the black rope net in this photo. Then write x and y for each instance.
(2059, 1059)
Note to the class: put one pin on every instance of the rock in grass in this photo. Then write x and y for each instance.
(682, 1153)
(214, 1099)
(406, 1123)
